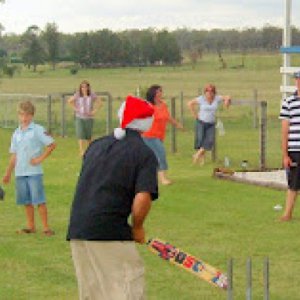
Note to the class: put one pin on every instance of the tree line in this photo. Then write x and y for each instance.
(134, 47)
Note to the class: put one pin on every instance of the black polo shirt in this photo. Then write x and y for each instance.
(113, 172)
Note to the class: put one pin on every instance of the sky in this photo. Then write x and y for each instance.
(89, 15)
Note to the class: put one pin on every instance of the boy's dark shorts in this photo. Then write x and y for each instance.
(293, 173)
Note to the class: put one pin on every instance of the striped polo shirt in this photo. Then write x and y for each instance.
(290, 110)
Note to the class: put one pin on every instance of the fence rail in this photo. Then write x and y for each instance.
(53, 113)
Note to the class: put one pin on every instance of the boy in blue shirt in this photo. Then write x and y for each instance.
(30, 146)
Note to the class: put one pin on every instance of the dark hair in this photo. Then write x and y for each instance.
(151, 92)
(88, 89)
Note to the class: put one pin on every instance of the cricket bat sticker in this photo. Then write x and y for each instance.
(188, 262)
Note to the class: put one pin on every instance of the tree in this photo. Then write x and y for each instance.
(166, 48)
(80, 49)
(1, 26)
(51, 38)
(271, 37)
(147, 48)
(106, 47)
(1, 29)
(34, 53)
(130, 54)
(194, 55)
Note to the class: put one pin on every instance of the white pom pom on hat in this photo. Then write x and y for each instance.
(119, 133)
(134, 113)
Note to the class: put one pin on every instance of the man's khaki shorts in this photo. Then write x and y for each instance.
(108, 270)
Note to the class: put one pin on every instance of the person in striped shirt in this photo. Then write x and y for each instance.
(290, 144)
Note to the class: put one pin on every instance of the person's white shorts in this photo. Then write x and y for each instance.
(108, 270)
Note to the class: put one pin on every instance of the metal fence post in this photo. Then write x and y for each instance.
(249, 279)
(266, 279)
(173, 129)
(230, 279)
(263, 134)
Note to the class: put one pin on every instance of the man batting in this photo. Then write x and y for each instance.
(118, 179)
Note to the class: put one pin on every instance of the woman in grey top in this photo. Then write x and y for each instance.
(85, 104)
(203, 109)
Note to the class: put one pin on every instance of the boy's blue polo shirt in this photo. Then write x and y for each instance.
(28, 144)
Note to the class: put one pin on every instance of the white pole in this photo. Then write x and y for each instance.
(286, 42)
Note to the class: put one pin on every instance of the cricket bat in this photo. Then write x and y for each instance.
(188, 262)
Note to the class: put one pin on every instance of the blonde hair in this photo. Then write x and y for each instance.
(26, 107)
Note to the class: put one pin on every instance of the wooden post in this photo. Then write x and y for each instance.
(49, 114)
(173, 129)
(263, 134)
(214, 149)
(255, 97)
(181, 108)
(63, 116)
(109, 114)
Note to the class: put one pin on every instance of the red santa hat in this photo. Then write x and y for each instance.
(134, 113)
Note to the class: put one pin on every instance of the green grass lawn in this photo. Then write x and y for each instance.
(212, 219)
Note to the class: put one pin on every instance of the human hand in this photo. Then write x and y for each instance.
(227, 101)
(286, 162)
(36, 161)
(6, 178)
(138, 235)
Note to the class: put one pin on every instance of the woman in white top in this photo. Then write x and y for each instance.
(85, 104)
(203, 109)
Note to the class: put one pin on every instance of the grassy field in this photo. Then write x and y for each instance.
(211, 219)
(261, 73)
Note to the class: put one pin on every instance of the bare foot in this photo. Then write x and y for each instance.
(285, 219)
(195, 158)
(166, 182)
(26, 231)
(198, 158)
(201, 160)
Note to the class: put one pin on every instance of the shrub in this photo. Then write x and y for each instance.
(74, 70)
(9, 70)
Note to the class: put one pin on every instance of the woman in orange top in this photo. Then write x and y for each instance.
(154, 137)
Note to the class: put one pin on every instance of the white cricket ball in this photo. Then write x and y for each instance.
(277, 207)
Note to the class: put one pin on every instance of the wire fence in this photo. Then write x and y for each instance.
(246, 136)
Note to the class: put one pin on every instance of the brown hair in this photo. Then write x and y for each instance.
(26, 107)
(210, 87)
(88, 88)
